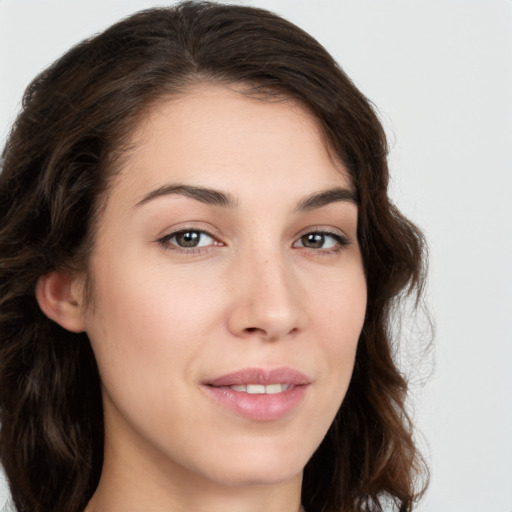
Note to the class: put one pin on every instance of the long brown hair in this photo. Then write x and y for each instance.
(65, 145)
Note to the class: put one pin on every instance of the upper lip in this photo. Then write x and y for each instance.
(260, 376)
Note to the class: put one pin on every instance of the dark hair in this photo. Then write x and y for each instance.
(73, 129)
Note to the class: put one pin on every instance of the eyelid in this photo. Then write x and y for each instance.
(327, 230)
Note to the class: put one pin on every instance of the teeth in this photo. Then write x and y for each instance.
(260, 389)
(255, 389)
(273, 388)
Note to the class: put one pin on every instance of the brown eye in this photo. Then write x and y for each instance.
(322, 240)
(313, 240)
(188, 239)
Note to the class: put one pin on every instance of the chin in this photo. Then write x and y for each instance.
(255, 477)
(262, 468)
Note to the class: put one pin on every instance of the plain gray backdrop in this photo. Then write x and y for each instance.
(440, 73)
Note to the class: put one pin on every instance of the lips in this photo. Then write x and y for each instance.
(260, 376)
(259, 394)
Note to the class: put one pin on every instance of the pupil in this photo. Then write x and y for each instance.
(314, 240)
(188, 239)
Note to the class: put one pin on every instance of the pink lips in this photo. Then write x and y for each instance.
(259, 407)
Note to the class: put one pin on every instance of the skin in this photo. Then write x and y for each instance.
(255, 293)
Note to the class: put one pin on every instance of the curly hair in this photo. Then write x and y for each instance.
(64, 148)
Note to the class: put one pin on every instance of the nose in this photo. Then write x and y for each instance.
(266, 299)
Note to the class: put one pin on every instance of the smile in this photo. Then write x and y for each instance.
(258, 394)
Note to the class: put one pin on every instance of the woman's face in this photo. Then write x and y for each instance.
(228, 292)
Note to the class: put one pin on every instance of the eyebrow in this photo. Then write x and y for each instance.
(325, 197)
(218, 198)
(204, 195)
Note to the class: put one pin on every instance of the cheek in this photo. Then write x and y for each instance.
(150, 325)
(140, 330)
(339, 307)
(340, 315)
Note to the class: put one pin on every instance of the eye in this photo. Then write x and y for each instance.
(188, 239)
(322, 240)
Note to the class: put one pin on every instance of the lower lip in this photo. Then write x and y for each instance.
(258, 407)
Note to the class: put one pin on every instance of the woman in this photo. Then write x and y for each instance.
(198, 266)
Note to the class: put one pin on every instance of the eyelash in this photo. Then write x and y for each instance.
(340, 241)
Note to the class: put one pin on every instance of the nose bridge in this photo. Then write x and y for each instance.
(267, 298)
(272, 279)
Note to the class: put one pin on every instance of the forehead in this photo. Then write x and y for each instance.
(217, 136)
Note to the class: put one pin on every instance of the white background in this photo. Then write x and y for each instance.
(441, 74)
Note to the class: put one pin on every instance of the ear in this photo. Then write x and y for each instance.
(60, 296)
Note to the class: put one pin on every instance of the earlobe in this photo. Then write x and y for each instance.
(57, 296)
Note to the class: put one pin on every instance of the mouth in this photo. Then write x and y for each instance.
(258, 394)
